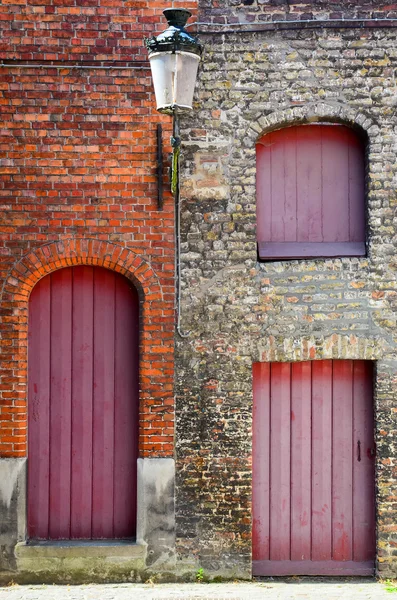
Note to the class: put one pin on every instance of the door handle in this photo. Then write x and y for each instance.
(358, 450)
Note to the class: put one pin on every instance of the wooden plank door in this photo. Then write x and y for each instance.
(313, 468)
(83, 405)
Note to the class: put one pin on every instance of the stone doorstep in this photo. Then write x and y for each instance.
(79, 556)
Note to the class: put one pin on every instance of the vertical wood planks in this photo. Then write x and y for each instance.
(261, 461)
(363, 462)
(308, 183)
(103, 413)
(322, 463)
(277, 199)
(280, 497)
(335, 184)
(39, 409)
(82, 402)
(60, 403)
(83, 405)
(310, 190)
(301, 461)
(342, 465)
(290, 207)
(126, 382)
(310, 481)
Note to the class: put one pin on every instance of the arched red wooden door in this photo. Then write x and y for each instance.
(83, 405)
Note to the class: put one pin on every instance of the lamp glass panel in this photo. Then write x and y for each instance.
(174, 78)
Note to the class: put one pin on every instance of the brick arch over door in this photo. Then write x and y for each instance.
(156, 342)
(83, 405)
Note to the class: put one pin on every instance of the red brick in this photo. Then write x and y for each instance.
(79, 177)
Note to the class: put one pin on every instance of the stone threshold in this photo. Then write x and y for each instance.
(80, 561)
(86, 548)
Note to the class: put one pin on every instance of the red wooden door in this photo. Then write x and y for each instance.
(313, 469)
(83, 405)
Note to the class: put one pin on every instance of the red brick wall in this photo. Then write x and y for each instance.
(78, 163)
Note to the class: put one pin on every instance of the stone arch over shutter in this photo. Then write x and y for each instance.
(312, 113)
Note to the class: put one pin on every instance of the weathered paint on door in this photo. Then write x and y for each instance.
(313, 468)
(83, 405)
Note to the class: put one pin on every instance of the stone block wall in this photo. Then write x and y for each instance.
(238, 310)
(262, 11)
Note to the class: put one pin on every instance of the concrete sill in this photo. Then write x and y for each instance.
(81, 549)
(96, 560)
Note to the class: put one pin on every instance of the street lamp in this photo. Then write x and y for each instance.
(174, 56)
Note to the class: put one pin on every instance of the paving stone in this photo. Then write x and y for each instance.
(271, 590)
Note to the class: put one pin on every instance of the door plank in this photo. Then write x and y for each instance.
(301, 461)
(342, 480)
(61, 406)
(363, 464)
(322, 460)
(82, 353)
(277, 227)
(356, 190)
(103, 408)
(126, 411)
(308, 183)
(261, 461)
(280, 482)
(39, 409)
(290, 208)
(335, 188)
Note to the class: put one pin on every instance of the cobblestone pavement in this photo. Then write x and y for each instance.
(301, 589)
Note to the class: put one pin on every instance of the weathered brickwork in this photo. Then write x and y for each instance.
(78, 184)
(88, 30)
(239, 311)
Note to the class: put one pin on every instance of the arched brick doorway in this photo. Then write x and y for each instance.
(83, 405)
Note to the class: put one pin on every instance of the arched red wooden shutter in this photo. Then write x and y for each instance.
(311, 193)
(83, 405)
